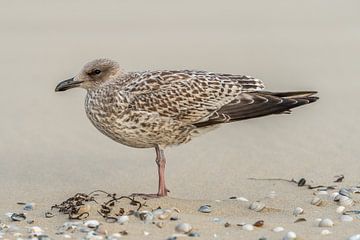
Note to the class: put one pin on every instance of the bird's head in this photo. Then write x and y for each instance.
(92, 75)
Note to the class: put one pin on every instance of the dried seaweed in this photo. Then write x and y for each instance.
(72, 206)
(300, 183)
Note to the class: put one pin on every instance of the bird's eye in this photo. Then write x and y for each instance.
(96, 71)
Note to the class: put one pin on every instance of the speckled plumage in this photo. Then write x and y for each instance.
(162, 108)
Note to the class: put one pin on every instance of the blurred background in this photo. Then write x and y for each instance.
(47, 144)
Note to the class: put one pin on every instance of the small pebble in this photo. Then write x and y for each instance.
(316, 201)
(205, 209)
(325, 232)
(123, 219)
(340, 209)
(146, 233)
(227, 224)
(259, 223)
(290, 236)
(346, 218)
(29, 206)
(278, 229)
(327, 222)
(297, 211)
(248, 227)
(183, 228)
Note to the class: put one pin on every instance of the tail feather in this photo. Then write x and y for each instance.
(258, 104)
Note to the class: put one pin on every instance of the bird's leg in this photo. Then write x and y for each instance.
(162, 190)
(161, 162)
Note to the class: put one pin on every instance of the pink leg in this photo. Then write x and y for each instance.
(161, 162)
(162, 190)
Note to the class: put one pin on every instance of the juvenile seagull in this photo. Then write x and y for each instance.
(156, 109)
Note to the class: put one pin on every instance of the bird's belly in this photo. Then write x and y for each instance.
(141, 131)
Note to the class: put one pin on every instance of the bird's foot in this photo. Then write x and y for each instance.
(147, 196)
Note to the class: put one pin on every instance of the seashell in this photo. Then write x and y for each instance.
(317, 201)
(346, 218)
(325, 232)
(340, 209)
(146, 233)
(334, 196)
(248, 227)
(49, 215)
(158, 212)
(165, 215)
(354, 237)
(194, 234)
(242, 199)
(297, 211)
(259, 223)
(290, 236)
(300, 220)
(257, 206)
(17, 216)
(183, 228)
(205, 209)
(345, 192)
(345, 201)
(174, 218)
(227, 224)
(322, 192)
(29, 206)
(123, 219)
(278, 229)
(36, 230)
(91, 223)
(301, 182)
(146, 216)
(327, 222)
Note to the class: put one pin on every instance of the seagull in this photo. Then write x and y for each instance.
(157, 109)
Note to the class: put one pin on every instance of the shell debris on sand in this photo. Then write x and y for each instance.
(290, 236)
(327, 222)
(297, 211)
(257, 206)
(183, 228)
(205, 209)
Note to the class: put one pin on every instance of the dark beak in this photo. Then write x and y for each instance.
(67, 84)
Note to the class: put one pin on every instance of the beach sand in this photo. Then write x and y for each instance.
(49, 150)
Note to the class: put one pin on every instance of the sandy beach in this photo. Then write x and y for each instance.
(49, 150)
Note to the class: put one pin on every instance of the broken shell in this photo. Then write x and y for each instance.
(325, 232)
(123, 219)
(160, 224)
(345, 201)
(165, 215)
(346, 218)
(334, 196)
(227, 224)
(257, 206)
(194, 234)
(290, 236)
(301, 182)
(327, 222)
(146, 233)
(259, 223)
(205, 209)
(297, 211)
(340, 209)
(322, 192)
(248, 227)
(300, 220)
(278, 229)
(345, 192)
(17, 216)
(316, 201)
(36, 230)
(29, 206)
(91, 223)
(146, 216)
(183, 228)
(49, 215)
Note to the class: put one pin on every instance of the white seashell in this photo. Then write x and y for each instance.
(345, 192)
(340, 209)
(322, 192)
(123, 219)
(327, 222)
(183, 228)
(325, 232)
(346, 218)
(278, 229)
(345, 201)
(91, 223)
(354, 237)
(36, 230)
(242, 199)
(297, 211)
(316, 201)
(290, 236)
(205, 209)
(146, 233)
(334, 196)
(248, 227)
(146, 216)
(257, 206)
